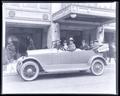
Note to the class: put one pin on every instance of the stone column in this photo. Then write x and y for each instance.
(53, 34)
(57, 31)
(100, 34)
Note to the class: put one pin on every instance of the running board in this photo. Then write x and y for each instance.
(66, 67)
(66, 70)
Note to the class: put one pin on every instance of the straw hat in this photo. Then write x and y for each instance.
(71, 39)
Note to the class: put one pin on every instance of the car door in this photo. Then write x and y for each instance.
(80, 58)
(74, 60)
(64, 57)
(64, 61)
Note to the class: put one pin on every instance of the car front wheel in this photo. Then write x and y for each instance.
(97, 67)
(29, 71)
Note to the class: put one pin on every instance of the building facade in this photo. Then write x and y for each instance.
(82, 21)
(27, 19)
(86, 21)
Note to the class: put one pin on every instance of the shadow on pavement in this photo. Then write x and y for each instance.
(64, 75)
(17, 78)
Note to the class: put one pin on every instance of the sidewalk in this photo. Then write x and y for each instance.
(111, 62)
(9, 70)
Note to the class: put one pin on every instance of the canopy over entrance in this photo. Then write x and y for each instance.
(84, 17)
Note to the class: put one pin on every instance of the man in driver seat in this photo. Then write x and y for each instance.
(71, 46)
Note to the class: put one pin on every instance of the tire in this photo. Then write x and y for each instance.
(97, 67)
(29, 71)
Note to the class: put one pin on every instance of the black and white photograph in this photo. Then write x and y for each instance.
(59, 48)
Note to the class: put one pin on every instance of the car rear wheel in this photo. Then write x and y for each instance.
(97, 67)
(29, 71)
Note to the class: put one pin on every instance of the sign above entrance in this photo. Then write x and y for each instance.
(93, 11)
(97, 13)
(27, 15)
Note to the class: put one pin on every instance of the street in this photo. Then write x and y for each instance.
(76, 82)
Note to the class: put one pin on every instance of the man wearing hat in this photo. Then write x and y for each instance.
(71, 46)
(58, 44)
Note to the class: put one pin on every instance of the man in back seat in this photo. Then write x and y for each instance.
(71, 46)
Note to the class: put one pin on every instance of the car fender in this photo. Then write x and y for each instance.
(97, 57)
(24, 59)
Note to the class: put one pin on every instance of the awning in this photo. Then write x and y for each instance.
(27, 24)
(85, 16)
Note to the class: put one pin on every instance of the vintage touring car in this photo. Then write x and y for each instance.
(54, 60)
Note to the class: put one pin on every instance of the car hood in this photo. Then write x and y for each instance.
(41, 51)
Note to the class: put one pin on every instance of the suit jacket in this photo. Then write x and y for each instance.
(71, 47)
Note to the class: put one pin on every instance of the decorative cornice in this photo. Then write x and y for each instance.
(24, 15)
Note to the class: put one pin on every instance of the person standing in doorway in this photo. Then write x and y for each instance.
(12, 48)
(30, 43)
(11, 51)
(23, 44)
